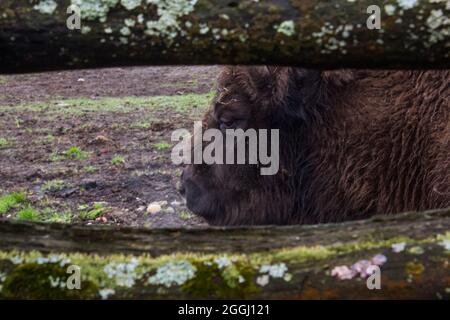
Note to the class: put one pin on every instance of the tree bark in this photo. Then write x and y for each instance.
(318, 34)
(294, 262)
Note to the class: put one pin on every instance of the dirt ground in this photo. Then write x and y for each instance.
(93, 146)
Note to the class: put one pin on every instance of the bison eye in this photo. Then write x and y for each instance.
(226, 124)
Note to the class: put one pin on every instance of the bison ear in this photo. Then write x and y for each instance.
(270, 82)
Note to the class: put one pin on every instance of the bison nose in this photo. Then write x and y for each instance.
(189, 187)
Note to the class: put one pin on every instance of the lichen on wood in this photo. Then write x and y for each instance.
(297, 262)
(34, 35)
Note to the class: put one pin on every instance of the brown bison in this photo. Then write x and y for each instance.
(353, 143)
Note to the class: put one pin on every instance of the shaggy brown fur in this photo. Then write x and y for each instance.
(352, 144)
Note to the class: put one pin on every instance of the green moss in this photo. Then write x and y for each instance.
(304, 253)
(3, 143)
(118, 160)
(96, 211)
(197, 275)
(37, 281)
(234, 281)
(28, 214)
(9, 201)
(161, 146)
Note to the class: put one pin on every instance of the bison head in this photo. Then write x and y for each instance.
(288, 99)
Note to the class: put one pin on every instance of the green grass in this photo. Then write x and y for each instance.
(3, 80)
(90, 169)
(28, 214)
(50, 215)
(73, 153)
(184, 215)
(9, 201)
(179, 103)
(87, 213)
(48, 139)
(161, 146)
(118, 160)
(54, 185)
(3, 143)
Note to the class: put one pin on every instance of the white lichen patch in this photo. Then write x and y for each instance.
(173, 273)
(124, 274)
(263, 280)
(95, 9)
(46, 6)
(57, 259)
(16, 260)
(333, 38)
(131, 4)
(106, 293)
(125, 31)
(275, 271)
(204, 29)
(57, 282)
(287, 28)
(407, 4)
(389, 9)
(438, 25)
(129, 23)
(445, 243)
(85, 29)
(222, 262)
(169, 12)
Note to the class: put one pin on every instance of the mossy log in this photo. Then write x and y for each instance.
(293, 262)
(34, 34)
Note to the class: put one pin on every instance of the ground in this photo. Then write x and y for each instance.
(93, 146)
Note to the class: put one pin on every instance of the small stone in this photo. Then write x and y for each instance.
(175, 203)
(101, 219)
(81, 80)
(153, 208)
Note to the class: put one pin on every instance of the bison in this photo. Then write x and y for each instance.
(353, 143)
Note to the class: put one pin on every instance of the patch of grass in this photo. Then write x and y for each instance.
(184, 215)
(54, 185)
(73, 153)
(9, 201)
(3, 143)
(141, 125)
(90, 169)
(52, 216)
(87, 213)
(180, 103)
(118, 160)
(161, 146)
(48, 139)
(28, 214)
(3, 81)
